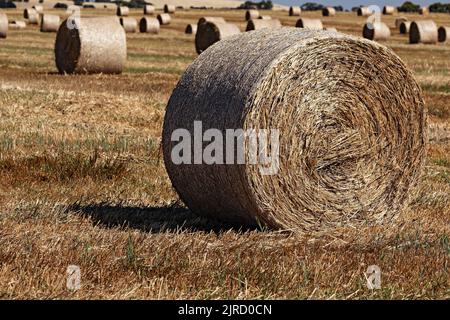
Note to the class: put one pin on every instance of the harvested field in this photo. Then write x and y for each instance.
(82, 182)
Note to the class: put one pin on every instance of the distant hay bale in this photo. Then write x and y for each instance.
(260, 24)
(17, 25)
(265, 17)
(3, 25)
(311, 24)
(149, 9)
(348, 151)
(251, 14)
(211, 32)
(49, 22)
(388, 10)
(364, 12)
(443, 34)
(328, 12)
(424, 11)
(211, 19)
(399, 21)
(168, 8)
(129, 24)
(31, 15)
(405, 27)
(122, 11)
(163, 18)
(90, 45)
(191, 29)
(39, 9)
(295, 11)
(424, 31)
(376, 31)
(149, 25)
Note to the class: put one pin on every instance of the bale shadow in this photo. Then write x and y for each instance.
(172, 218)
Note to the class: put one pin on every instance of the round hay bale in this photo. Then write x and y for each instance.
(211, 19)
(404, 27)
(149, 25)
(260, 24)
(211, 32)
(376, 31)
(39, 9)
(364, 12)
(311, 24)
(329, 12)
(388, 10)
(399, 21)
(168, 8)
(27, 11)
(129, 24)
(424, 31)
(149, 9)
(17, 25)
(49, 22)
(443, 34)
(122, 11)
(295, 11)
(191, 29)
(251, 14)
(349, 148)
(424, 11)
(3, 25)
(265, 17)
(33, 16)
(90, 45)
(163, 18)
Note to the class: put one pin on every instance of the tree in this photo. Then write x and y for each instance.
(408, 6)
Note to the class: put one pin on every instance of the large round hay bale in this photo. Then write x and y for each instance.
(376, 31)
(388, 10)
(404, 27)
(364, 12)
(443, 34)
(399, 21)
(191, 28)
(348, 150)
(149, 9)
(211, 19)
(251, 14)
(129, 24)
(90, 45)
(17, 25)
(49, 22)
(311, 24)
(122, 11)
(168, 8)
(149, 25)
(163, 18)
(260, 24)
(211, 32)
(328, 12)
(424, 11)
(295, 11)
(424, 31)
(3, 25)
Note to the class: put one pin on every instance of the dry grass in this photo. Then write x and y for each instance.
(82, 182)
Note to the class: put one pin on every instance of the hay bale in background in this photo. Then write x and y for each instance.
(211, 19)
(122, 11)
(424, 31)
(211, 32)
(3, 25)
(265, 17)
(364, 12)
(339, 165)
(443, 34)
(295, 11)
(404, 27)
(260, 24)
(168, 8)
(73, 9)
(129, 24)
(91, 45)
(251, 14)
(376, 31)
(328, 12)
(149, 9)
(149, 25)
(191, 29)
(39, 8)
(49, 22)
(424, 11)
(163, 18)
(32, 16)
(17, 25)
(311, 24)
(399, 21)
(388, 10)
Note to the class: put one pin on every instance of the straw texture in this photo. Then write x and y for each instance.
(311, 24)
(404, 27)
(364, 12)
(50, 23)
(251, 14)
(191, 29)
(260, 24)
(149, 9)
(330, 29)
(90, 45)
(211, 19)
(388, 10)
(3, 25)
(295, 11)
(163, 18)
(122, 11)
(443, 34)
(129, 24)
(376, 31)
(211, 32)
(168, 8)
(424, 31)
(328, 12)
(149, 25)
(351, 143)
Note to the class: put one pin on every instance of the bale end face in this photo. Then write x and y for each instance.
(443, 33)
(211, 32)
(191, 29)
